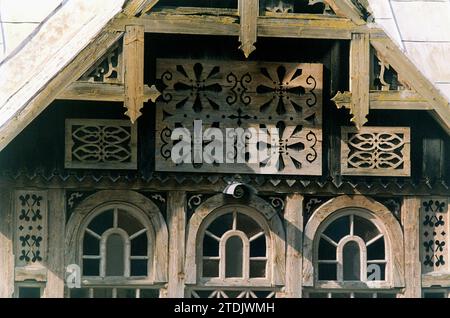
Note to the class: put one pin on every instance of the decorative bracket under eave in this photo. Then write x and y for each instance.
(248, 13)
(135, 93)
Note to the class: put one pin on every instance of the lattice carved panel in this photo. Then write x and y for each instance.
(109, 69)
(375, 151)
(238, 293)
(434, 227)
(101, 144)
(30, 227)
(284, 98)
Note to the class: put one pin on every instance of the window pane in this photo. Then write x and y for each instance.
(247, 225)
(29, 292)
(79, 293)
(317, 295)
(139, 245)
(138, 267)
(363, 295)
(102, 222)
(364, 228)
(258, 247)
(351, 261)
(338, 229)
(257, 268)
(91, 245)
(434, 295)
(102, 292)
(115, 263)
(126, 293)
(210, 268)
(327, 251)
(210, 246)
(376, 250)
(149, 293)
(340, 295)
(128, 223)
(327, 272)
(386, 295)
(91, 267)
(221, 224)
(376, 271)
(234, 250)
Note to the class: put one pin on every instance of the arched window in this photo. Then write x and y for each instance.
(120, 246)
(235, 250)
(351, 248)
(234, 246)
(116, 244)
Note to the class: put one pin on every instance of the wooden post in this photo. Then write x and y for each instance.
(6, 245)
(176, 217)
(56, 233)
(248, 13)
(133, 52)
(410, 214)
(359, 78)
(294, 235)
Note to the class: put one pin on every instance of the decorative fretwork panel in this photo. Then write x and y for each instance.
(376, 151)
(31, 227)
(109, 69)
(291, 6)
(283, 98)
(101, 144)
(384, 77)
(434, 233)
(232, 293)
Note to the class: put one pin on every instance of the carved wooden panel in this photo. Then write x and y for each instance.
(375, 151)
(434, 229)
(30, 227)
(109, 69)
(100, 144)
(284, 98)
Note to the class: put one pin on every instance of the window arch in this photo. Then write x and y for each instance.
(351, 248)
(374, 236)
(234, 245)
(112, 235)
(235, 249)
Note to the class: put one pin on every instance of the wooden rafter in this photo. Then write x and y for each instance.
(346, 8)
(138, 7)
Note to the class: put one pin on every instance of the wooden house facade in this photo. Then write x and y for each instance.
(353, 201)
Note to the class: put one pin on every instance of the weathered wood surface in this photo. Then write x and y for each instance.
(294, 242)
(410, 214)
(6, 244)
(176, 221)
(248, 13)
(133, 54)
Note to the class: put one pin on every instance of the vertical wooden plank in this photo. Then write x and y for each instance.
(410, 215)
(6, 244)
(56, 233)
(133, 52)
(294, 238)
(248, 13)
(359, 78)
(176, 219)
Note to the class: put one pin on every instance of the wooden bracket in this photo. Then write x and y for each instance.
(135, 95)
(248, 13)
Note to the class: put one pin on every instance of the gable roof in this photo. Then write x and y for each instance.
(57, 52)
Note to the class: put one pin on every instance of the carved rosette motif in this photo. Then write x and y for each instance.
(31, 227)
(434, 232)
(258, 95)
(375, 151)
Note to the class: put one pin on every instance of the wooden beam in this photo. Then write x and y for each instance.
(176, 206)
(248, 13)
(205, 21)
(410, 214)
(393, 100)
(359, 78)
(133, 56)
(137, 7)
(392, 54)
(6, 244)
(55, 258)
(345, 8)
(294, 242)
